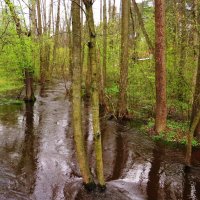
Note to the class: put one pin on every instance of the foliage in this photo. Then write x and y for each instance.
(141, 78)
(176, 132)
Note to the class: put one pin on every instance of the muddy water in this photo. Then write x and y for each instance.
(37, 157)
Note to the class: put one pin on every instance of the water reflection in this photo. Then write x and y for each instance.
(27, 163)
(154, 176)
(9, 114)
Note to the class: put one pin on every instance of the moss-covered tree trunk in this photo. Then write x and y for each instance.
(193, 126)
(123, 83)
(196, 100)
(76, 96)
(88, 80)
(196, 97)
(95, 94)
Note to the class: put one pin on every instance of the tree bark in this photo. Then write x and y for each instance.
(123, 84)
(160, 68)
(88, 80)
(76, 96)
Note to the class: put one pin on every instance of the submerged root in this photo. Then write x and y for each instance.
(90, 186)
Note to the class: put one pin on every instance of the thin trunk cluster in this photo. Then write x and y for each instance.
(76, 93)
(95, 92)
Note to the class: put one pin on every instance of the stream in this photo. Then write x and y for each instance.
(38, 158)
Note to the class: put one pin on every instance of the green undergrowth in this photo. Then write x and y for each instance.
(175, 134)
(5, 101)
(9, 81)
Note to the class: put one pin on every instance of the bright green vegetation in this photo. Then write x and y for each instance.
(141, 78)
(9, 81)
(176, 132)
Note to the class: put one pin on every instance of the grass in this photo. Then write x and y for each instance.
(8, 85)
(9, 81)
(5, 101)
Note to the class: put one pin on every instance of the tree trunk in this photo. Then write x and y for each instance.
(69, 47)
(29, 86)
(88, 80)
(122, 102)
(101, 11)
(104, 43)
(183, 43)
(95, 95)
(196, 100)
(110, 10)
(41, 45)
(76, 94)
(160, 68)
(103, 71)
(56, 37)
(193, 126)
(114, 11)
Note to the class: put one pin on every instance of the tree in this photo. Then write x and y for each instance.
(104, 42)
(139, 16)
(76, 97)
(95, 94)
(123, 83)
(103, 102)
(183, 44)
(28, 71)
(56, 36)
(160, 68)
(196, 101)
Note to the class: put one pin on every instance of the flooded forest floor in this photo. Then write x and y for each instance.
(38, 158)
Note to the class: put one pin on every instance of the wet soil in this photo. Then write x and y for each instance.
(38, 158)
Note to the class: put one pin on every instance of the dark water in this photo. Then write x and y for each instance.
(38, 160)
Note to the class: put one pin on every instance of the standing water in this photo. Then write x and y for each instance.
(38, 159)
